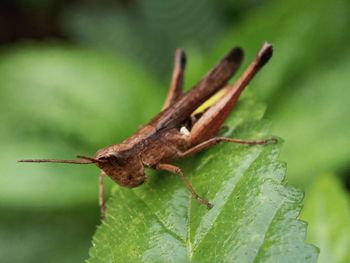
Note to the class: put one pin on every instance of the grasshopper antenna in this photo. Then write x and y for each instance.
(80, 160)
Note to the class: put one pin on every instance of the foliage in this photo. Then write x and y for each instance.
(310, 116)
(253, 218)
(328, 213)
(58, 100)
(58, 235)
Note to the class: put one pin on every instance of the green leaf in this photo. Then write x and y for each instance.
(328, 212)
(253, 218)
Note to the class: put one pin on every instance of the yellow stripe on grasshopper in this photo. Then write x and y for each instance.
(212, 100)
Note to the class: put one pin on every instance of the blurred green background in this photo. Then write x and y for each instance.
(76, 76)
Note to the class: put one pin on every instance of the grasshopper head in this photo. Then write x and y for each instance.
(123, 167)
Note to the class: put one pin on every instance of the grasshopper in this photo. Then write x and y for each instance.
(176, 132)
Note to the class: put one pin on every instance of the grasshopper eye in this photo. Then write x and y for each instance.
(116, 158)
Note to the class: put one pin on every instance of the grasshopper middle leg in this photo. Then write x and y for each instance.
(176, 170)
(208, 143)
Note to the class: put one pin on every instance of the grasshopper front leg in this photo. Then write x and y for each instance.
(101, 198)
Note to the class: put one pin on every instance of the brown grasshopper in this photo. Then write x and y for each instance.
(175, 132)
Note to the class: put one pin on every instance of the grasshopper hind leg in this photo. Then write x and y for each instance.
(210, 122)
